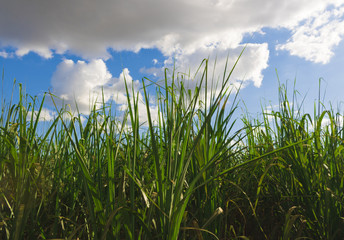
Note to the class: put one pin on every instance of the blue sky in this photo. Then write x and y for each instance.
(76, 48)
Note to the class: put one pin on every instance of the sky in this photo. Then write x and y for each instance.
(77, 49)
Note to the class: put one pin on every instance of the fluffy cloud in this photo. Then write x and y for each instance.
(45, 115)
(88, 28)
(251, 63)
(316, 39)
(83, 84)
(184, 31)
(3, 54)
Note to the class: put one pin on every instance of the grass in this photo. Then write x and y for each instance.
(188, 175)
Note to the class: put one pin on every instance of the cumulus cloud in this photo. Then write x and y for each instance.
(81, 82)
(315, 40)
(89, 28)
(184, 31)
(84, 84)
(249, 68)
(3, 54)
(44, 115)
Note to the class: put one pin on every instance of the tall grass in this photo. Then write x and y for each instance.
(188, 175)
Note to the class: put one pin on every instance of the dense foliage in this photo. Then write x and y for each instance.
(189, 175)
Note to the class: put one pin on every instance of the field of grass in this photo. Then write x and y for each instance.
(190, 175)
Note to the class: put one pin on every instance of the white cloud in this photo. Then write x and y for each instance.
(89, 83)
(88, 28)
(45, 115)
(316, 39)
(43, 51)
(249, 68)
(81, 82)
(3, 54)
(253, 60)
(186, 31)
(326, 122)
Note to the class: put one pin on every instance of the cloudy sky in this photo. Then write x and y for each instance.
(77, 48)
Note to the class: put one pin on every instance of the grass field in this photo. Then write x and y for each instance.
(192, 174)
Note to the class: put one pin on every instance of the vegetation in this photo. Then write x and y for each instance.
(188, 175)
